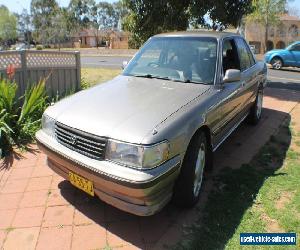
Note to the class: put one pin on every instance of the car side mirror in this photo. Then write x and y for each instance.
(124, 64)
(232, 75)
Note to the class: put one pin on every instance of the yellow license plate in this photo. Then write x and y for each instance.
(82, 183)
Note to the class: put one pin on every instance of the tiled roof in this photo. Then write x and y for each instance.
(286, 17)
(93, 32)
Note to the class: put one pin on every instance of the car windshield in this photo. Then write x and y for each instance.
(291, 46)
(184, 59)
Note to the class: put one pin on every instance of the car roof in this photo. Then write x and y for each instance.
(297, 42)
(198, 33)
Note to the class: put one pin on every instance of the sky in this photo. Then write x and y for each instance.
(19, 5)
(294, 3)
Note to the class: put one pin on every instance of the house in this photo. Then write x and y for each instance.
(118, 39)
(280, 36)
(88, 38)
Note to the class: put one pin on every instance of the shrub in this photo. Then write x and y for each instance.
(31, 112)
(4, 129)
(84, 84)
(19, 124)
(39, 47)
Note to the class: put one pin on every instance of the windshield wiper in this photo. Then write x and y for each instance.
(189, 81)
(153, 76)
(168, 78)
(145, 76)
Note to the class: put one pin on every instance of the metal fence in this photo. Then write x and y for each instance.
(62, 69)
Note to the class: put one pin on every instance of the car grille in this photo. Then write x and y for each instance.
(84, 143)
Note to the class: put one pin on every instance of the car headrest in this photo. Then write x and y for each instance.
(230, 54)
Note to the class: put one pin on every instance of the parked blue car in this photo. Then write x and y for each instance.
(288, 57)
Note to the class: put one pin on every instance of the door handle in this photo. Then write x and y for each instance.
(241, 87)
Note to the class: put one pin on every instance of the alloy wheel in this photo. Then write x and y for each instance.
(277, 64)
(199, 169)
(259, 103)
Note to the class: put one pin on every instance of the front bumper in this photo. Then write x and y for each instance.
(141, 192)
(267, 58)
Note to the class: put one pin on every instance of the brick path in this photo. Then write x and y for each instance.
(40, 210)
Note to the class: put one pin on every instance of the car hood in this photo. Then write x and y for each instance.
(125, 108)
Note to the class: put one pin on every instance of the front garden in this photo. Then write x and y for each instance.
(20, 117)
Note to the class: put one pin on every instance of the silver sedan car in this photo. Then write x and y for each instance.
(148, 135)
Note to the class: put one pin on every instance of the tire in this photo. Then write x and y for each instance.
(197, 160)
(277, 63)
(256, 109)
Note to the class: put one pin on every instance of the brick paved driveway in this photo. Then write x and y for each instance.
(40, 210)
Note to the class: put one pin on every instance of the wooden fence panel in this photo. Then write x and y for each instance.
(62, 70)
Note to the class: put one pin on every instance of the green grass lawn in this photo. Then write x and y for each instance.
(94, 76)
(262, 196)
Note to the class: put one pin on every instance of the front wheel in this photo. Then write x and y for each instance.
(256, 110)
(277, 63)
(197, 160)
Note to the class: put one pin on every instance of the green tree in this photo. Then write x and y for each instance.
(87, 13)
(221, 13)
(93, 19)
(25, 25)
(120, 10)
(8, 26)
(266, 12)
(102, 16)
(81, 12)
(60, 30)
(107, 15)
(147, 17)
(43, 12)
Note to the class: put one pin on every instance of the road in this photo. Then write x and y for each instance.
(113, 62)
(288, 78)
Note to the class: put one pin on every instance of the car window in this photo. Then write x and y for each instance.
(188, 59)
(244, 54)
(230, 55)
(296, 48)
(252, 60)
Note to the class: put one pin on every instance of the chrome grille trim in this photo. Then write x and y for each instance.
(87, 144)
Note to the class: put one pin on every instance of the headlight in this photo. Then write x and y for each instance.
(48, 125)
(137, 156)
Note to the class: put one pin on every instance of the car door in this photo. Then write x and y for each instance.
(230, 97)
(295, 54)
(249, 75)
